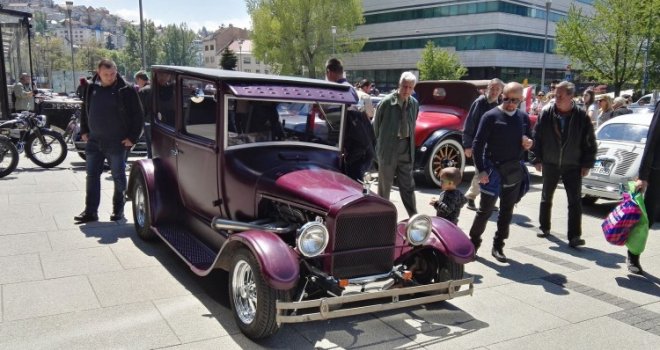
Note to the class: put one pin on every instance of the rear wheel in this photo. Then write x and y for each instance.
(142, 210)
(8, 157)
(48, 151)
(252, 299)
(446, 153)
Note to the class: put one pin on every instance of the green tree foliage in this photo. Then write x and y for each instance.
(608, 44)
(48, 57)
(228, 59)
(153, 45)
(178, 45)
(290, 34)
(89, 54)
(439, 64)
(40, 22)
(131, 52)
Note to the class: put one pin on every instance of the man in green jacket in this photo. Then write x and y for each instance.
(394, 126)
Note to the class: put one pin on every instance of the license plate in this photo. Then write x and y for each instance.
(602, 168)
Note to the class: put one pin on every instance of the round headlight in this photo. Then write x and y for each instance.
(41, 120)
(312, 239)
(418, 229)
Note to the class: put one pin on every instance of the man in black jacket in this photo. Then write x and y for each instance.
(111, 121)
(144, 91)
(649, 180)
(564, 147)
(481, 105)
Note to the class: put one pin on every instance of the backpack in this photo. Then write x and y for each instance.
(621, 220)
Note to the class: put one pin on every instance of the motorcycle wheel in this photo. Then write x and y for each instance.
(47, 155)
(8, 157)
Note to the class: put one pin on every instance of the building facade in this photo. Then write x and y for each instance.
(493, 38)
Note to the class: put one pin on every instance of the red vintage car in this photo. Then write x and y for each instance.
(246, 178)
(443, 108)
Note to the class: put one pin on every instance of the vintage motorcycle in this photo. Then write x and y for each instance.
(44, 147)
(8, 156)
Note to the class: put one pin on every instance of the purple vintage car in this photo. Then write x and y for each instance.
(246, 178)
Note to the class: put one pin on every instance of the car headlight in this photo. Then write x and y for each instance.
(312, 239)
(41, 120)
(418, 229)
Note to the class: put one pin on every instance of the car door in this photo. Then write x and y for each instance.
(196, 147)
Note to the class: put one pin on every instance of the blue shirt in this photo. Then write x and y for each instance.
(499, 137)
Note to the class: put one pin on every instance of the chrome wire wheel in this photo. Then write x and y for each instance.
(447, 153)
(140, 209)
(244, 292)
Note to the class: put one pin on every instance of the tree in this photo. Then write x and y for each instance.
(40, 22)
(108, 43)
(291, 34)
(153, 45)
(608, 45)
(132, 53)
(178, 45)
(439, 64)
(228, 59)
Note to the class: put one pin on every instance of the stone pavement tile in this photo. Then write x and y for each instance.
(25, 211)
(148, 283)
(363, 331)
(599, 333)
(619, 283)
(90, 235)
(56, 198)
(75, 262)
(563, 303)
(21, 224)
(63, 187)
(48, 297)
(455, 324)
(286, 338)
(134, 326)
(596, 254)
(20, 268)
(4, 200)
(65, 221)
(134, 253)
(197, 317)
(24, 243)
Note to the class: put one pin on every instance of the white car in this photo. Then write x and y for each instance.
(621, 142)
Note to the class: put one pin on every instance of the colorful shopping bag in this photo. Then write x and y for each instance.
(639, 233)
(620, 221)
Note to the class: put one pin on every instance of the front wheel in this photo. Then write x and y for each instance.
(142, 210)
(431, 267)
(48, 151)
(446, 153)
(252, 299)
(8, 156)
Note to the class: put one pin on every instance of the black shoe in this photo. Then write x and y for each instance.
(632, 261)
(543, 234)
(576, 242)
(471, 205)
(85, 217)
(117, 216)
(499, 255)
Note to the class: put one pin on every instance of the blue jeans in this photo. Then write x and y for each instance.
(96, 154)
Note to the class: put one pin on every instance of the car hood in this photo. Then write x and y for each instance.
(315, 186)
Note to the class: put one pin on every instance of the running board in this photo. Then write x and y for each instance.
(194, 252)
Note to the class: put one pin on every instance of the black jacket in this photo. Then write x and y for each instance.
(146, 100)
(477, 110)
(130, 109)
(651, 157)
(575, 147)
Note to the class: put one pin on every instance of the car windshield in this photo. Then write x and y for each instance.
(623, 132)
(258, 121)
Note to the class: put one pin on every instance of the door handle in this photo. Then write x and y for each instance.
(174, 152)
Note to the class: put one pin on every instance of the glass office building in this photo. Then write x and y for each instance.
(492, 38)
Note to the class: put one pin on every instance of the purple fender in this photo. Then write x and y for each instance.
(447, 238)
(279, 263)
(161, 191)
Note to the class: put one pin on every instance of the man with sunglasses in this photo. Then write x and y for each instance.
(502, 137)
(564, 147)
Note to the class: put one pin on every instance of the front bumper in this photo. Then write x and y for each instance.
(600, 189)
(342, 306)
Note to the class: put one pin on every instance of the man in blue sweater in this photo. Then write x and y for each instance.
(502, 137)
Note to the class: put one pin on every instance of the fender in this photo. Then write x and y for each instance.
(162, 190)
(446, 238)
(279, 263)
(423, 152)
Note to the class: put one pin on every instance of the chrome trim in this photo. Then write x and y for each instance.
(230, 225)
(301, 232)
(324, 305)
(369, 279)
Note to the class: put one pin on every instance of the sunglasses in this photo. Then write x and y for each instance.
(511, 100)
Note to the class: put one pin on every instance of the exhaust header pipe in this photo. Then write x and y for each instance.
(220, 224)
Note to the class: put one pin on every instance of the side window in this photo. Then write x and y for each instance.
(165, 98)
(199, 102)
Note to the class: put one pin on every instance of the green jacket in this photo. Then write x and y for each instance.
(386, 127)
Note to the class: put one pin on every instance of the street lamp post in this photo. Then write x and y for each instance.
(240, 55)
(334, 34)
(144, 60)
(545, 41)
(69, 8)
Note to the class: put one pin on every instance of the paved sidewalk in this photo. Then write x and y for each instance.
(98, 286)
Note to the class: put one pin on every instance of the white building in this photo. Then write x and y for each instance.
(492, 38)
(247, 62)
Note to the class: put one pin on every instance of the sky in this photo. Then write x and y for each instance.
(196, 13)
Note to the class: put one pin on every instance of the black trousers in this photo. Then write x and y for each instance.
(572, 180)
(508, 197)
(652, 196)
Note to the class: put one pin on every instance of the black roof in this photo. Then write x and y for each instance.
(221, 74)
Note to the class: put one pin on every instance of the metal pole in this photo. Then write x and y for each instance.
(545, 41)
(334, 34)
(144, 60)
(69, 7)
(240, 55)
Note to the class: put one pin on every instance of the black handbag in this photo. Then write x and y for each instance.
(511, 172)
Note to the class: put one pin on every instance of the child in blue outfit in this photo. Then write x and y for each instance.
(451, 200)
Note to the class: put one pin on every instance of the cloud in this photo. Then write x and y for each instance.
(128, 14)
(243, 22)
